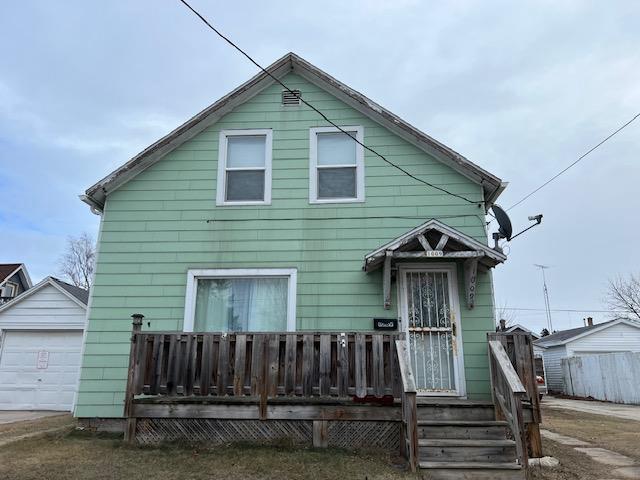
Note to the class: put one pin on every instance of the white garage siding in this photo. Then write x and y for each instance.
(553, 365)
(617, 338)
(39, 369)
(41, 334)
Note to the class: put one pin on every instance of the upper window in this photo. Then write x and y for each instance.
(244, 167)
(240, 300)
(336, 167)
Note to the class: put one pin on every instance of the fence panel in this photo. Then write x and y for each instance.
(614, 377)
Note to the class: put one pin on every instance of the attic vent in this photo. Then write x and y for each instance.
(291, 97)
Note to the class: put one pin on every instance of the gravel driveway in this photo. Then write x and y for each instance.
(628, 412)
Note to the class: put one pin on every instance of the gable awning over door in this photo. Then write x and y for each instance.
(433, 240)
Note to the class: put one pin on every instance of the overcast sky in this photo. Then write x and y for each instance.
(520, 88)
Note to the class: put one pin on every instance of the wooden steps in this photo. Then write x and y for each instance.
(462, 440)
(472, 471)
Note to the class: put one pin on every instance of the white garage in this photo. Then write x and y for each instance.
(41, 334)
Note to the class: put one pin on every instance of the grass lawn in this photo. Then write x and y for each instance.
(614, 434)
(78, 456)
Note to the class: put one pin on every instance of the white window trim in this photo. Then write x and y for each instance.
(313, 165)
(192, 288)
(222, 166)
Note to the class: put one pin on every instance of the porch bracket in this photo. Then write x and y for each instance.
(470, 278)
(386, 280)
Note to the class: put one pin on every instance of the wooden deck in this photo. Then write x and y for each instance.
(347, 390)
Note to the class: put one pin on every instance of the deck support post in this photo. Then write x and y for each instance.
(320, 434)
(130, 431)
(533, 440)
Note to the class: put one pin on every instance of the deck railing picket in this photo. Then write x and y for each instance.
(239, 364)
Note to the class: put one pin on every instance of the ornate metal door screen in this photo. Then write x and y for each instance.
(431, 331)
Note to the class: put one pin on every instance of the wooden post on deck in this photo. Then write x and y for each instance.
(130, 431)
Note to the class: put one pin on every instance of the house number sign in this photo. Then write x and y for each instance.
(43, 359)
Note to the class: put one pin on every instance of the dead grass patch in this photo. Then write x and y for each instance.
(78, 457)
(617, 434)
(25, 427)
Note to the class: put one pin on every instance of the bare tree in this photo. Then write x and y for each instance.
(623, 295)
(505, 313)
(78, 261)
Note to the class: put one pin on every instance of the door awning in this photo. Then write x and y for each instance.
(433, 240)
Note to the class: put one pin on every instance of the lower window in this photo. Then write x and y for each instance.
(240, 300)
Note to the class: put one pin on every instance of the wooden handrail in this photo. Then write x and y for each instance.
(511, 376)
(519, 349)
(409, 435)
(508, 392)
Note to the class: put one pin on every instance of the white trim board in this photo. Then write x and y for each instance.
(193, 275)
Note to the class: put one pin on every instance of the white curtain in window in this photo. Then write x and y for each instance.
(241, 305)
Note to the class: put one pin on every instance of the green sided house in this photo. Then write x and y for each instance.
(314, 278)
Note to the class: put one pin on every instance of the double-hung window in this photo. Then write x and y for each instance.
(241, 300)
(336, 167)
(244, 167)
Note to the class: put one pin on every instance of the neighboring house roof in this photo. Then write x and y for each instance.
(8, 270)
(565, 336)
(95, 196)
(522, 328)
(77, 295)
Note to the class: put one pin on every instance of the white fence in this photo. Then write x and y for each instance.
(614, 377)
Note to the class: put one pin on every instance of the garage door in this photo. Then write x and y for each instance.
(39, 369)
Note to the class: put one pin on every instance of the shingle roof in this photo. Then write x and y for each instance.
(7, 269)
(80, 293)
(563, 335)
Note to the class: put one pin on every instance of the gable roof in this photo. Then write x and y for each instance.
(8, 270)
(522, 328)
(565, 336)
(95, 195)
(409, 241)
(75, 294)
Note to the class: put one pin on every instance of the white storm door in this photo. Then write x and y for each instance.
(430, 315)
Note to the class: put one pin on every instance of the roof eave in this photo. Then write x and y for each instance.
(95, 196)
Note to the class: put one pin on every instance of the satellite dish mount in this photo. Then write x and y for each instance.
(505, 230)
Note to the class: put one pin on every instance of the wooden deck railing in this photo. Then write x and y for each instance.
(409, 438)
(508, 393)
(265, 364)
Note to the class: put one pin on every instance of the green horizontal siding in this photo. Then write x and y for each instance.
(165, 221)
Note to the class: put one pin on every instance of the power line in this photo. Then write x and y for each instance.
(576, 161)
(379, 217)
(230, 42)
(574, 310)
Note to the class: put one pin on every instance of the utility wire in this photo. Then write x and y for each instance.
(401, 217)
(575, 162)
(230, 42)
(560, 310)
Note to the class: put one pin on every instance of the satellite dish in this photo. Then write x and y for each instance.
(505, 230)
